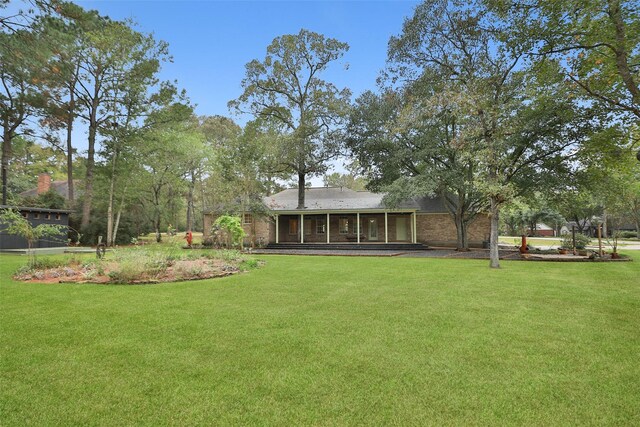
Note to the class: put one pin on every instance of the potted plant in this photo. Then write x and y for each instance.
(566, 245)
(581, 244)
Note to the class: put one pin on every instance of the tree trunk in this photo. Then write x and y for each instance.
(156, 199)
(622, 60)
(70, 117)
(301, 188)
(190, 209)
(494, 213)
(6, 155)
(462, 243)
(112, 187)
(117, 224)
(605, 230)
(157, 227)
(88, 191)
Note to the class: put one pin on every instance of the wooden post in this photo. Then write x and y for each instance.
(327, 228)
(414, 228)
(386, 228)
(600, 240)
(358, 226)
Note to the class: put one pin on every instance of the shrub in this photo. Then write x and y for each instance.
(232, 226)
(249, 264)
(628, 234)
(581, 241)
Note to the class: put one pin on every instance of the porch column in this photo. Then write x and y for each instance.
(414, 228)
(301, 228)
(327, 228)
(277, 228)
(358, 226)
(386, 228)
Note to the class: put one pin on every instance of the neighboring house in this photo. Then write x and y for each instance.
(339, 215)
(36, 216)
(542, 230)
(590, 228)
(45, 184)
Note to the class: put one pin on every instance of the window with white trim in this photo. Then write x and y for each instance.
(247, 218)
(343, 225)
(359, 225)
(320, 226)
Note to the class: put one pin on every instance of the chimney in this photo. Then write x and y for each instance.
(44, 183)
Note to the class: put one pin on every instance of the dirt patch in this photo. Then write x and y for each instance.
(113, 272)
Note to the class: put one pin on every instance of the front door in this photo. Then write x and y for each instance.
(401, 228)
(373, 229)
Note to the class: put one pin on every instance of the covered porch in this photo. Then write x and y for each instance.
(359, 227)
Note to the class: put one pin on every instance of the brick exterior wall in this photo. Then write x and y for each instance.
(431, 229)
(259, 231)
(440, 230)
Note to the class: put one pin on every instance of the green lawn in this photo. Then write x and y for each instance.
(329, 341)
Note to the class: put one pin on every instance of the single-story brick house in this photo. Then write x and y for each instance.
(331, 215)
(37, 216)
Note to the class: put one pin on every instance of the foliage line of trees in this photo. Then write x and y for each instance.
(529, 107)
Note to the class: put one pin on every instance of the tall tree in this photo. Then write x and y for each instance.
(407, 139)
(240, 169)
(596, 43)
(24, 69)
(286, 88)
(517, 123)
(110, 50)
(61, 114)
(163, 150)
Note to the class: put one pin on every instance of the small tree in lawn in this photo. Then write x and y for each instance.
(14, 223)
(232, 226)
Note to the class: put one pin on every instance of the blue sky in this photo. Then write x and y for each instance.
(211, 41)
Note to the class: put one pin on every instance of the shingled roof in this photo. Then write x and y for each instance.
(341, 198)
(60, 187)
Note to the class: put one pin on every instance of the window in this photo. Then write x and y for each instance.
(47, 216)
(293, 226)
(320, 226)
(25, 214)
(344, 225)
(36, 216)
(307, 227)
(58, 217)
(359, 226)
(247, 218)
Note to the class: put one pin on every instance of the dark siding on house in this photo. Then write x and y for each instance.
(10, 241)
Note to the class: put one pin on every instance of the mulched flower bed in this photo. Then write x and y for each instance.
(135, 268)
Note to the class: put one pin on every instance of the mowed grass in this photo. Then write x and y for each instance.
(329, 341)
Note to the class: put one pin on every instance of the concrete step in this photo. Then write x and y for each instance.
(349, 246)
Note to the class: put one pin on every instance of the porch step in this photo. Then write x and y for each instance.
(349, 246)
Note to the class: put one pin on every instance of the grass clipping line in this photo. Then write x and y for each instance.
(138, 266)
